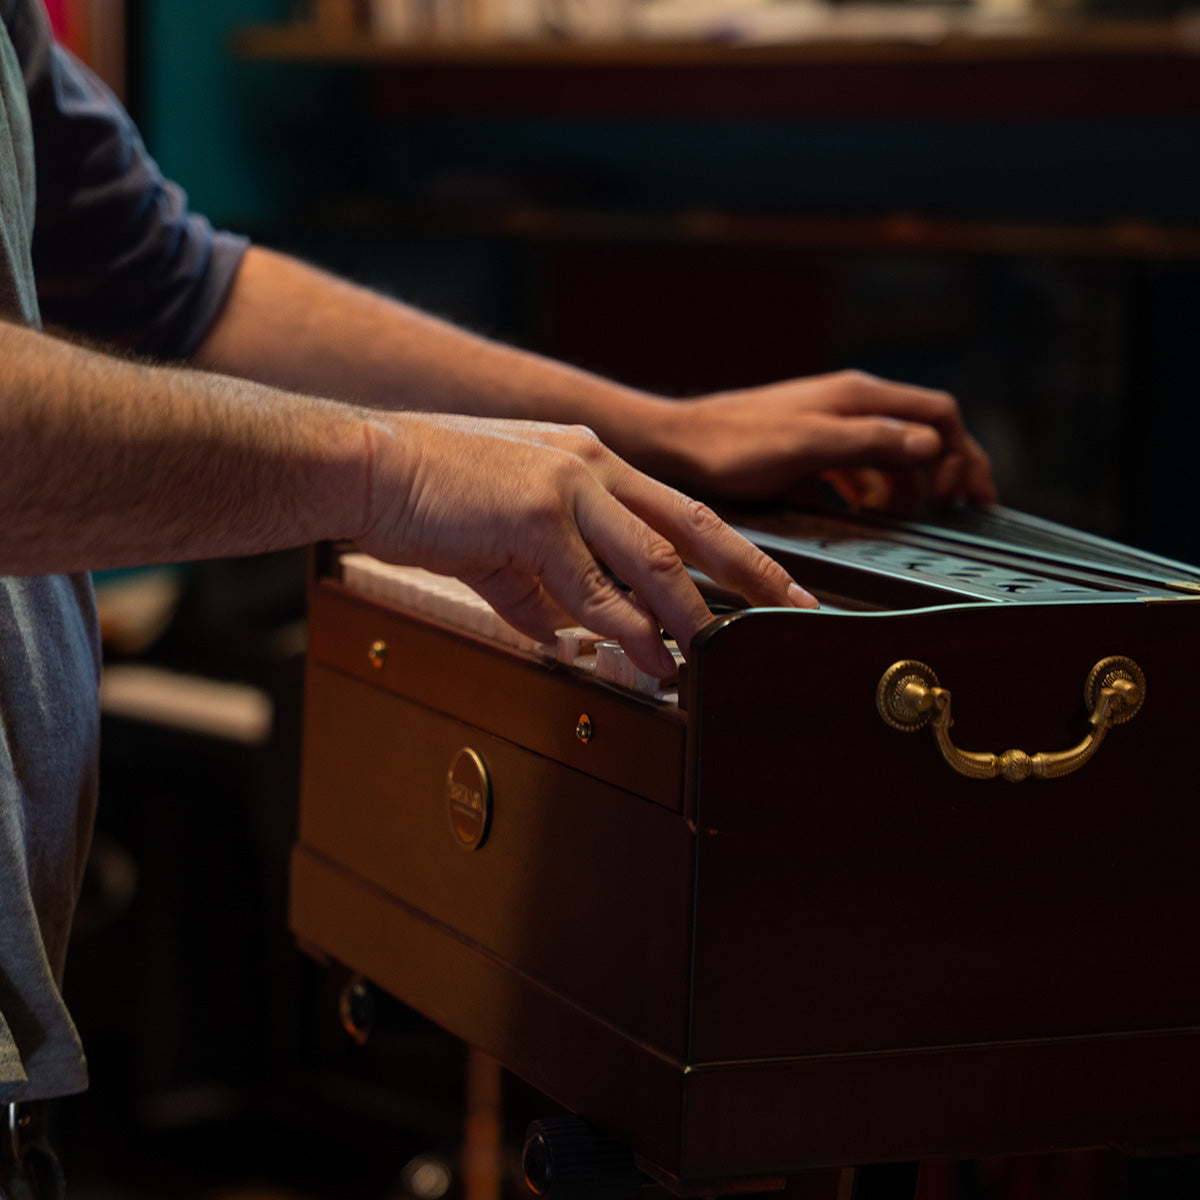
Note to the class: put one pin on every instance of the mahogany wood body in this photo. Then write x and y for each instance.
(769, 933)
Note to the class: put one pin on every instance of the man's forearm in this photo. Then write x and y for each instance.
(113, 463)
(110, 463)
(294, 326)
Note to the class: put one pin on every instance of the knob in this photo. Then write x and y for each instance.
(568, 1158)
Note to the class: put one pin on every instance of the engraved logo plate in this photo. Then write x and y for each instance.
(469, 798)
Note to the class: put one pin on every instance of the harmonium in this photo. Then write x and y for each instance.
(914, 875)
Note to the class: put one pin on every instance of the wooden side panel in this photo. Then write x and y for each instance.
(581, 887)
(558, 1047)
(857, 895)
(948, 1102)
(637, 745)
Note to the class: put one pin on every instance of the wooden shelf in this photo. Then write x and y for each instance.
(900, 233)
(1035, 69)
(964, 39)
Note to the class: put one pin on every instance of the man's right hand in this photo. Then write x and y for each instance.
(530, 515)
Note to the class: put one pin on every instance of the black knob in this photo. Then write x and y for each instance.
(356, 1009)
(568, 1158)
(369, 1014)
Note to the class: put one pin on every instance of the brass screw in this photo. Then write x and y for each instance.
(378, 654)
(583, 728)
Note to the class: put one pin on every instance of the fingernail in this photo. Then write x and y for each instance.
(799, 598)
(922, 441)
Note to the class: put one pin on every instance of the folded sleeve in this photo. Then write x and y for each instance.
(116, 253)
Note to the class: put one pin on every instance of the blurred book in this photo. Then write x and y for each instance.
(94, 31)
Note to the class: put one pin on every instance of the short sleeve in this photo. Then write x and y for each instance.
(116, 253)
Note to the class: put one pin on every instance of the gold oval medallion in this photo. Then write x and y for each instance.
(469, 798)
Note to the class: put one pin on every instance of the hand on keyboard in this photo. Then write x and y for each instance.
(530, 515)
(881, 444)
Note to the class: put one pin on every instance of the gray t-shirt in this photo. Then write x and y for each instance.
(94, 237)
(49, 721)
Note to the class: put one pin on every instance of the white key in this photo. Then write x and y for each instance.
(453, 603)
(575, 642)
(611, 661)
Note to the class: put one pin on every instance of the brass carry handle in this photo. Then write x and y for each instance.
(909, 697)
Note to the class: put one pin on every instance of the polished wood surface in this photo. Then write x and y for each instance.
(834, 950)
(518, 698)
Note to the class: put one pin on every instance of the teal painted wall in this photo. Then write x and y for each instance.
(238, 136)
(258, 143)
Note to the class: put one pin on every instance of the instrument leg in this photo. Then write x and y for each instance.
(482, 1152)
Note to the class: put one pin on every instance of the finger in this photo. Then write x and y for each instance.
(952, 471)
(892, 491)
(948, 479)
(978, 483)
(577, 581)
(964, 474)
(652, 569)
(884, 490)
(854, 485)
(846, 484)
(941, 411)
(870, 441)
(689, 530)
(523, 602)
(569, 541)
(692, 533)
(863, 395)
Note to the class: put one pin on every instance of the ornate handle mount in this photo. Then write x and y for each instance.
(909, 697)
